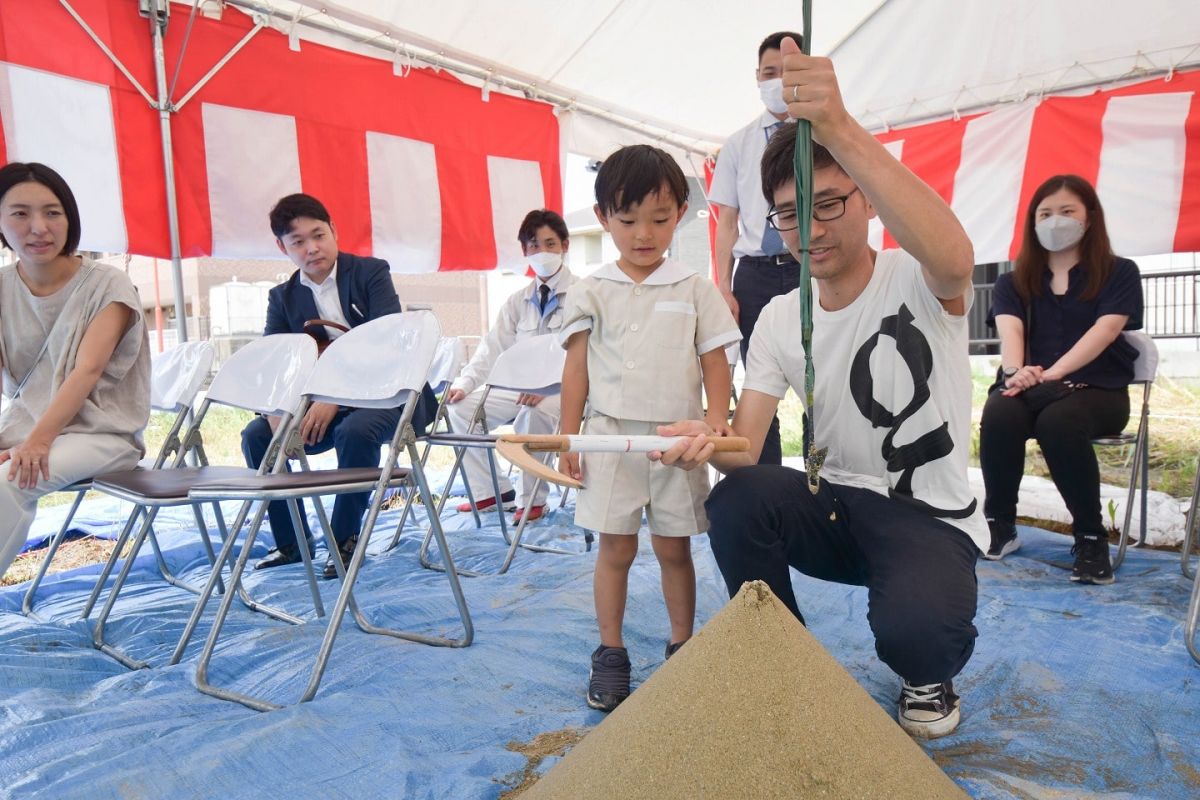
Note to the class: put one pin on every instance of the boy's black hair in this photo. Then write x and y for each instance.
(778, 160)
(292, 207)
(535, 220)
(20, 172)
(632, 173)
(772, 42)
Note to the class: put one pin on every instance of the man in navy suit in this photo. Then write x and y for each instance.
(344, 289)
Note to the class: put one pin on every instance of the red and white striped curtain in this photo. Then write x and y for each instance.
(419, 169)
(1139, 145)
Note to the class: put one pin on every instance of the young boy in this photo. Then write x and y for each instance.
(641, 334)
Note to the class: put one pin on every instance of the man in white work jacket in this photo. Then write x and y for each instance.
(534, 310)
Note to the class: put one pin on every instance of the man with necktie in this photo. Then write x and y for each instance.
(765, 268)
(534, 310)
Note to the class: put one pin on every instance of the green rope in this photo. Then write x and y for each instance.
(803, 163)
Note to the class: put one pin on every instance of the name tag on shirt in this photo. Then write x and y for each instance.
(675, 307)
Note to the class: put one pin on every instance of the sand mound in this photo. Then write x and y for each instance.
(754, 707)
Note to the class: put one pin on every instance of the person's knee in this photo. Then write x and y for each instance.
(255, 438)
(673, 551)
(1003, 416)
(355, 429)
(617, 550)
(918, 633)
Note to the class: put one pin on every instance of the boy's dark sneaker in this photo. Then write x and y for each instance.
(929, 711)
(1091, 560)
(673, 648)
(1004, 540)
(608, 683)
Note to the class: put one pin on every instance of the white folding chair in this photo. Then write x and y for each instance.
(448, 360)
(379, 364)
(532, 365)
(1145, 368)
(175, 378)
(265, 377)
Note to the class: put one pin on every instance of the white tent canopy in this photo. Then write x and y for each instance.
(681, 72)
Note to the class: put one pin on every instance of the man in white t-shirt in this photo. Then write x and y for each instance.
(892, 404)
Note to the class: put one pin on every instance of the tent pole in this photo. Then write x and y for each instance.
(158, 24)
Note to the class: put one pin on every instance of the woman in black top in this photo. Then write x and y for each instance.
(1065, 368)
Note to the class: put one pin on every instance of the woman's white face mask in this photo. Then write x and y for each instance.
(545, 263)
(772, 95)
(1057, 233)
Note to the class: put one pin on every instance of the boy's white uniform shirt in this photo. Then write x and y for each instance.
(646, 338)
(893, 388)
(644, 370)
(519, 318)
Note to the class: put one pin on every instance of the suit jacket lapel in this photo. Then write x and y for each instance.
(344, 274)
(306, 304)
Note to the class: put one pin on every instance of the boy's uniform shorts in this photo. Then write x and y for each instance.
(618, 487)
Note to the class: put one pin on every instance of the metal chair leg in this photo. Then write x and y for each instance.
(1193, 620)
(1134, 479)
(344, 600)
(113, 557)
(27, 600)
(1189, 527)
(234, 584)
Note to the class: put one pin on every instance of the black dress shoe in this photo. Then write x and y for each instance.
(346, 549)
(278, 557)
(281, 556)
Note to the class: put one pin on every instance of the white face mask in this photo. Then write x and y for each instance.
(1057, 233)
(772, 95)
(545, 263)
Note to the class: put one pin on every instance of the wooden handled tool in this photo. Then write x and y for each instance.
(519, 448)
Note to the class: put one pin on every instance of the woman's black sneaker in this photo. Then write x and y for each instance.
(1004, 540)
(1091, 560)
(608, 683)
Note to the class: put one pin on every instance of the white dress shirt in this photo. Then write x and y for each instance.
(329, 303)
(737, 183)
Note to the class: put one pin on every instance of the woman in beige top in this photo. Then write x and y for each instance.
(73, 351)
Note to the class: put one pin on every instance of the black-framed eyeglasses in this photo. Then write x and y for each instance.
(827, 210)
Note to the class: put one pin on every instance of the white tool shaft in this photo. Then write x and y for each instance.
(622, 444)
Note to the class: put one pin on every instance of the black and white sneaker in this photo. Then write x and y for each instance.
(1004, 540)
(608, 682)
(1091, 560)
(929, 711)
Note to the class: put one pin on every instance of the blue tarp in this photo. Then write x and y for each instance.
(1073, 690)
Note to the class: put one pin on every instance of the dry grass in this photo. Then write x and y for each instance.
(72, 554)
(553, 743)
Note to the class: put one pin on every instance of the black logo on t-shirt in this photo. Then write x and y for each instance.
(914, 349)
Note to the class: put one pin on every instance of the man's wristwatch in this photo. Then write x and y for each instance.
(1008, 372)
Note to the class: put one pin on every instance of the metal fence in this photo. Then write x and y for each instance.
(1172, 309)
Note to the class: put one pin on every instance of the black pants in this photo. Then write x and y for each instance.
(919, 571)
(1065, 430)
(756, 282)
